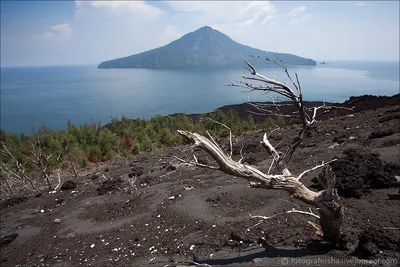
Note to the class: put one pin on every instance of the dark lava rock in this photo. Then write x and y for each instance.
(368, 102)
(239, 240)
(202, 161)
(374, 239)
(168, 166)
(68, 185)
(311, 145)
(171, 167)
(95, 177)
(8, 239)
(12, 202)
(136, 171)
(344, 241)
(380, 134)
(368, 249)
(340, 140)
(390, 117)
(109, 186)
(148, 180)
(250, 160)
(358, 172)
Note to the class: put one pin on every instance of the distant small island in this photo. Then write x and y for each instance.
(323, 63)
(203, 47)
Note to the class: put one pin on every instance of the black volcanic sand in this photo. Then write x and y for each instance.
(183, 214)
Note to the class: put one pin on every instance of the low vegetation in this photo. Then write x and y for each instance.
(50, 151)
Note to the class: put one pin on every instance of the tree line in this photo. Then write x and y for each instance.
(50, 153)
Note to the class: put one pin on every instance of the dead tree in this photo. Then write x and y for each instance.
(41, 159)
(17, 173)
(327, 201)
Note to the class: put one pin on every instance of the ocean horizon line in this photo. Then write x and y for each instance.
(96, 64)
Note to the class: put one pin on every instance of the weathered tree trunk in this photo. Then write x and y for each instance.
(331, 211)
(327, 201)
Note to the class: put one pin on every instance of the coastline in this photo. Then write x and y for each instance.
(360, 103)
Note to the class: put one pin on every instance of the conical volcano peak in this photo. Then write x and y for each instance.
(203, 47)
(205, 29)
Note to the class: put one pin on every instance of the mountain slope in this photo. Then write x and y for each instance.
(203, 47)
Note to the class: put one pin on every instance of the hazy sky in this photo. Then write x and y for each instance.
(88, 32)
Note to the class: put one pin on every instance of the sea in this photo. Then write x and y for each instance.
(35, 96)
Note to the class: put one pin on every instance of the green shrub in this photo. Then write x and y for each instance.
(94, 154)
(136, 148)
(95, 143)
(84, 163)
(108, 142)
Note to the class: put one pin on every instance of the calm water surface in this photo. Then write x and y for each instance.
(35, 96)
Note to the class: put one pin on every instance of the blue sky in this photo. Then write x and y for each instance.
(36, 33)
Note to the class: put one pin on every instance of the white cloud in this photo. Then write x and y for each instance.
(270, 19)
(297, 11)
(360, 4)
(59, 31)
(240, 20)
(224, 12)
(138, 8)
(297, 14)
(112, 29)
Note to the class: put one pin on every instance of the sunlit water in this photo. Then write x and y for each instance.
(35, 96)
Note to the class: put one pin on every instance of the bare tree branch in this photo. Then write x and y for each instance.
(39, 161)
(196, 163)
(230, 133)
(20, 168)
(284, 213)
(314, 168)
